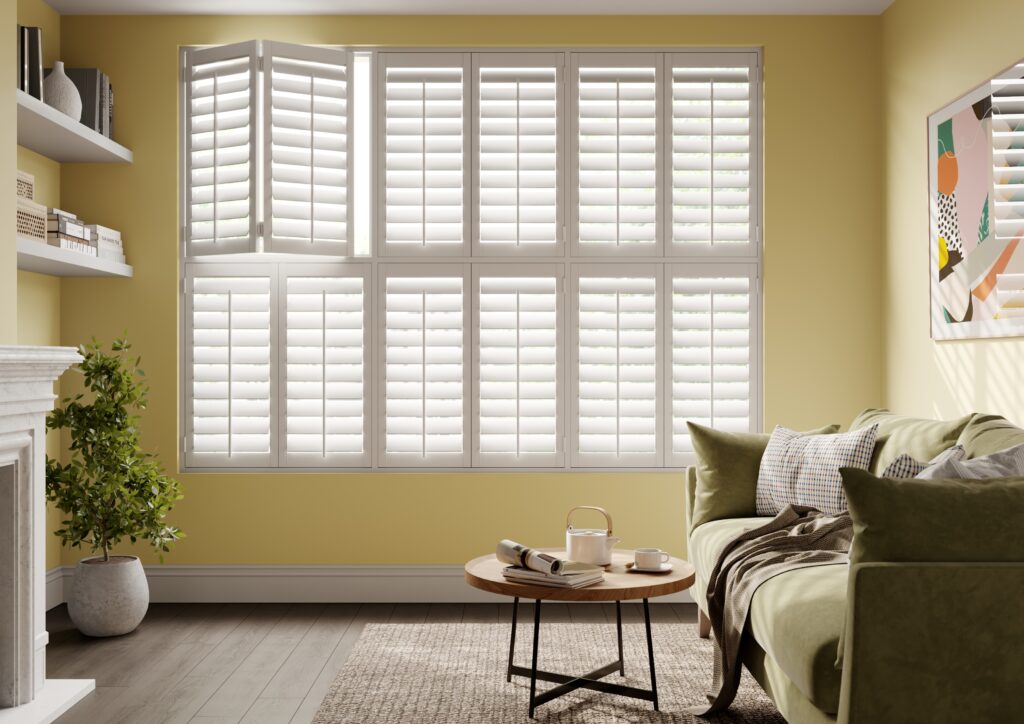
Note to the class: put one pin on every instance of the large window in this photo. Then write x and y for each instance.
(456, 259)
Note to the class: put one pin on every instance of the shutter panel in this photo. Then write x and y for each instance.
(518, 376)
(713, 363)
(518, 127)
(617, 166)
(1008, 167)
(424, 354)
(325, 375)
(617, 367)
(423, 110)
(307, 119)
(714, 153)
(220, 149)
(229, 370)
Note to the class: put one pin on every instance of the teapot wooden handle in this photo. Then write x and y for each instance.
(602, 511)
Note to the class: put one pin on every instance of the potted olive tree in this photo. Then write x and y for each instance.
(109, 490)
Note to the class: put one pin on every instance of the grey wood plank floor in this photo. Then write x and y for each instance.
(271, 663)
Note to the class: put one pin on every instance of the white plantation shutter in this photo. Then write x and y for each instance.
(423, 106)
(713, 363)
(517, 381)
(1008, 165)
(220, 149)
(229, 392)
(616, 179)
(307, 121)
(325, 367)
(714, 153)
(424, 317)
(517, 110)
(616, 362)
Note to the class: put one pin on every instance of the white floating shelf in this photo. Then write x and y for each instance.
(36, 256)
(57, 136)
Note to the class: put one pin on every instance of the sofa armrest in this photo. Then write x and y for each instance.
(933, 642)
(690, 476)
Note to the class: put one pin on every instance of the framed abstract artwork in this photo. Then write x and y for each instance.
(976, 206)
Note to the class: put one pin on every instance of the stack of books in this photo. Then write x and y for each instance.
(108, 242)
(97, 98)
(577, 578)
(64, 230)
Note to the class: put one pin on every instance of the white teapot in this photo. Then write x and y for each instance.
(589, 545)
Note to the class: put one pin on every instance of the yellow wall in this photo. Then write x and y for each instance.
(934, 52)
(8, 166)
(822, 240)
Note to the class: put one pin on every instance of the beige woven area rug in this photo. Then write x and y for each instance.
(427, 673)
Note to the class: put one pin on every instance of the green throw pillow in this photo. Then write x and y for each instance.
(920, 438)
(727, 467)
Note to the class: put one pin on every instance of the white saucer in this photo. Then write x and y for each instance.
(663, 568)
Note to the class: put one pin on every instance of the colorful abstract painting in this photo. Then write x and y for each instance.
(976, 176)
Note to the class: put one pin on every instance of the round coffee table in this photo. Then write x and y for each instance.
(620, 584)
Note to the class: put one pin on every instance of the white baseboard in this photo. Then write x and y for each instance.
(306, 584)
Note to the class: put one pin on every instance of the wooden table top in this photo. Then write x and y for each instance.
(619, 584)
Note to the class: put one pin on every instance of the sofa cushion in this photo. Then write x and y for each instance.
(795, 617)
(986, 434)
(727, 467)
(921, 439)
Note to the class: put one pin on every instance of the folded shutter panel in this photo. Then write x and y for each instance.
(424, 144)
(518, 391)
(617, 368)
(518, 181)
(617, 168)
(220, 149)
(230, 392)
(424, 322)
(325, 369)
(713, 366)
(307, 97)
(1008, 166)
(714, 153)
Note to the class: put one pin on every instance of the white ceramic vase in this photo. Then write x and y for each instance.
(60, 92)
(108, 598)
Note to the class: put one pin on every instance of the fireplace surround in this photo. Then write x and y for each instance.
(27, 376)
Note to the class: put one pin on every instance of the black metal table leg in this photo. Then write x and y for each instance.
(536, 641)
(650, 653)
(618, 626)
(512, 643)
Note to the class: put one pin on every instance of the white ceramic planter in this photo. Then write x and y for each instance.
(108, 598)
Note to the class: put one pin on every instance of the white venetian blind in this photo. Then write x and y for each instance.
(325, 371)
(617, 166)
(423, 369)
(518, 156)
(712, 156)
(518, 369)
(1008, 156)
(220, 149)
(230, 373)
(424, 164)
(617, 369)
(307, 96)
(712, 356)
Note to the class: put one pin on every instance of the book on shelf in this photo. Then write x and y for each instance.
(105, 233)
(89, 84)
(63, 241)
(68, 227)
(52, 212)
(555, 580)
(30, 60)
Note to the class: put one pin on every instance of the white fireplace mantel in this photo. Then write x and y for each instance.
(27, 376)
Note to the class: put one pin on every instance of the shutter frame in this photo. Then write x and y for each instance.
(579, 459)
(425, 60)
(750, 60)
(555, 61)
(498, 459)
(194, 57)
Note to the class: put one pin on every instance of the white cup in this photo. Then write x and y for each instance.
(650, 558)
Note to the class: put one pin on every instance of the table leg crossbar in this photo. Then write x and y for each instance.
(591, 680)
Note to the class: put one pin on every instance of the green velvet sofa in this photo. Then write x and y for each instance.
(935, 641)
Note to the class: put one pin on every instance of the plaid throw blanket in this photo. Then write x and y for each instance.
(798, 537)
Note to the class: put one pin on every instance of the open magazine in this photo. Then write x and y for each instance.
(527, 565)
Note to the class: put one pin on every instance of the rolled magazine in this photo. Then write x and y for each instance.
(515, 554)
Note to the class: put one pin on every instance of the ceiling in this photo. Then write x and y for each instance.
(470, 7)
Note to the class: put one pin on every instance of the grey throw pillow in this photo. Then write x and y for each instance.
(1007, 463)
